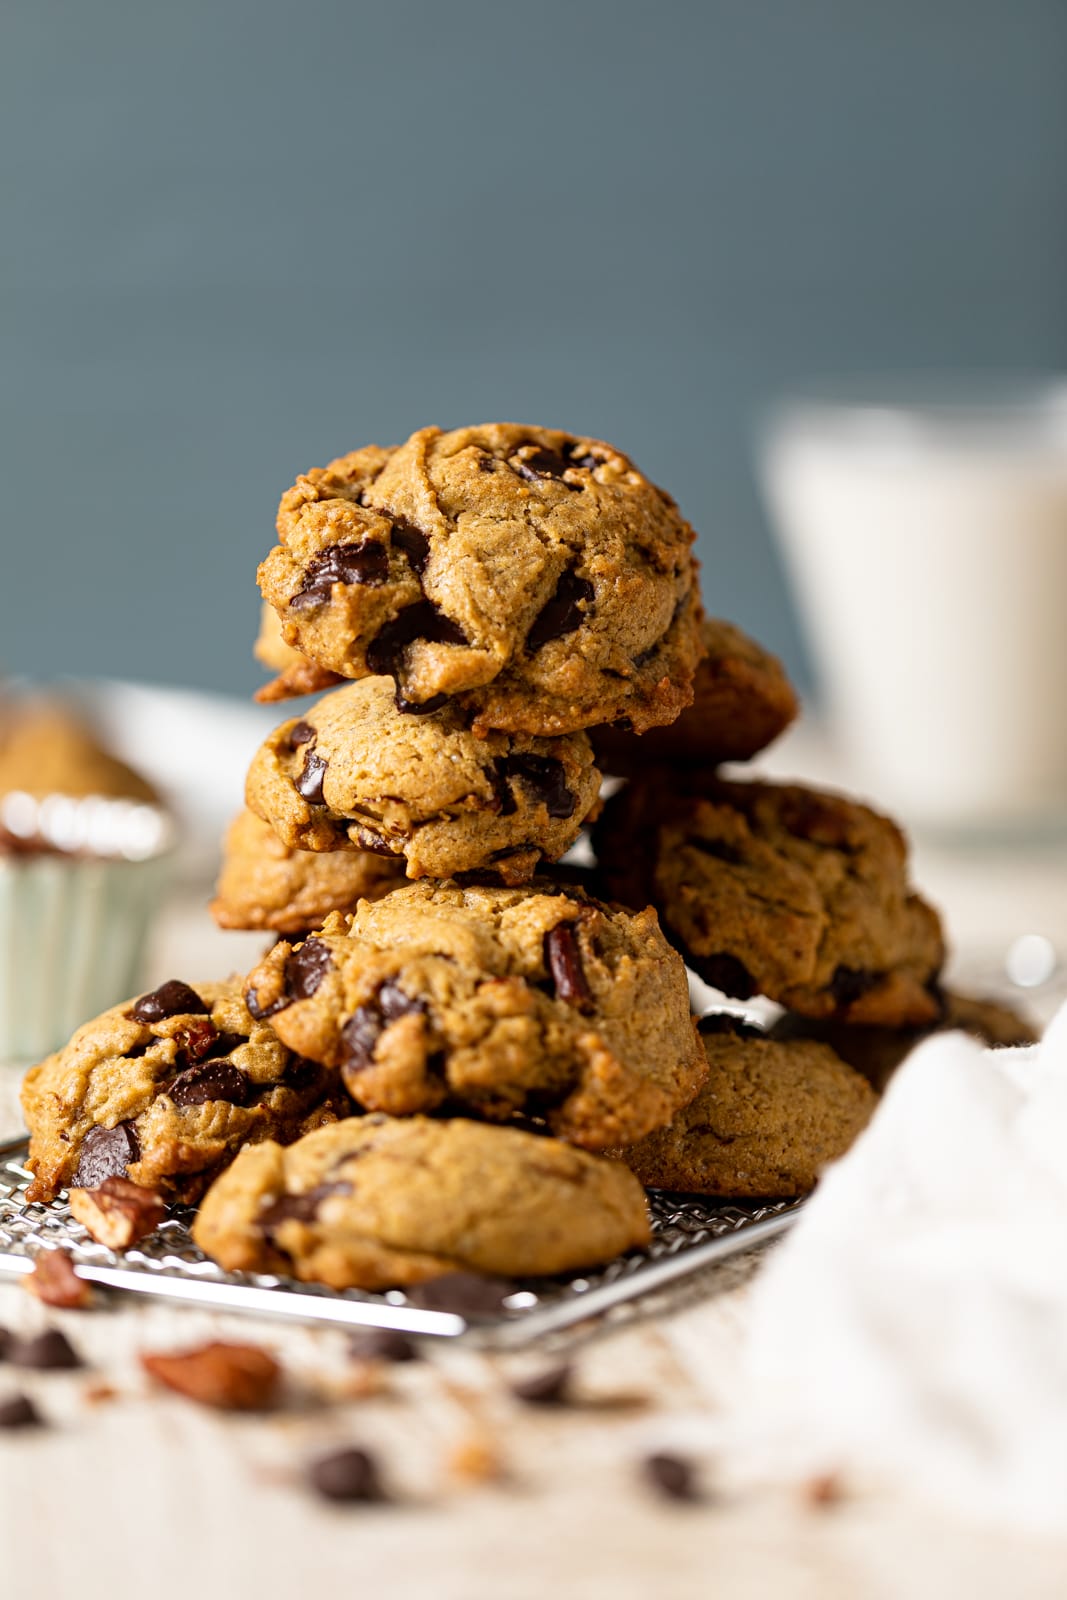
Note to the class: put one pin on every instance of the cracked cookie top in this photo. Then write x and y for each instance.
(356, 774)
(771, 1115)
(779, 890)
(164, 1089)
(506, 1001)
(535, 576)
(375, 1202)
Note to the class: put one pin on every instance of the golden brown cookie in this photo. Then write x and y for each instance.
(535, 577)
(877, 1052)
(536, 1000)
(267, 884)
(742, 700)
(357, 774)
(376, 1202)
(775, 889)
(771, 1115)
(164, 1090)
(295, 675)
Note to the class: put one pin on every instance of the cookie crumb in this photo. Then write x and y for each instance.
(476, 1459)
(824, 1490)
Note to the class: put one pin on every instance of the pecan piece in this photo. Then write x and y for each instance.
(118, 1212)
(55, 1281)
(231, 1377)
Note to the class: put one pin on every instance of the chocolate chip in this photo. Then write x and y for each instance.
(542, 462)
(373, 842)
(671, 1476)
(171, 999)
(421, 621)
(719, 849)
(729, 1023)
(562, 614)
(347, 1475)
(19, 1412)
(588, 461)
(382, 1344)
(300, 733)
(106, 1153)
(306, 968)
(365, 562)
(544, 774)
(725, 972)
(50, 1351)
(211, 1080)
(300, 1073)
(850, 984)
(360, 1033)
(552, 1387)
(309, 783)
(563, 958)
(418, 708)
(5, 1343)
(467, 1294)
(297, 1207)
(414, 543)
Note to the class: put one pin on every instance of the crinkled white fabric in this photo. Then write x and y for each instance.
(913, 1326)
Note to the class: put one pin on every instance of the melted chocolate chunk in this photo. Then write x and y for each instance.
(467, 1294)
(211, 1080)
(418, 708)
(725, 972)
(563, 958)
(414, 543)
(382, 1344)
(420, 621)
(562, 614)
(171, 999)
(671, 1476)
(850, 984)
(309, 783)
(365, 562)
(719, 849)
(588, 461)
(726, 1022)
(301, 1074)
(361, 1032)
(50, 1351)
(17, 1411)
(349, 1476)
(106, 1153)
(300, 733)
(546, 776)
(297, 1207)
(373, 842)
(306, 968)
(552, 1387)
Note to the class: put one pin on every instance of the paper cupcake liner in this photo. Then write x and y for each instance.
(72, 941)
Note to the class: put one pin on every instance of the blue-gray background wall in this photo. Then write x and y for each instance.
(241, 236)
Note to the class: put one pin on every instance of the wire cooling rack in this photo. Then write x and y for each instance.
(688, 1235)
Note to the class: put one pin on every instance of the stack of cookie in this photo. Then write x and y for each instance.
(458, 1056)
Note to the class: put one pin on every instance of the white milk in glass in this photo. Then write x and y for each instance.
(928, 551)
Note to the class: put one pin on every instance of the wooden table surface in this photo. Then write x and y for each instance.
(136, 1489)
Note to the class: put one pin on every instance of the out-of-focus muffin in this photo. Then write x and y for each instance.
(84, 843)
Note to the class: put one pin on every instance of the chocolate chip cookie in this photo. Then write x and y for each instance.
(771, 1115)
(375, 1202)
(295, 675)
(355, 773)
(779, 890)
(502, 1001)
(267, 884)
(877, 1052)
(164, 1090)
(742, 700)
(536, 577)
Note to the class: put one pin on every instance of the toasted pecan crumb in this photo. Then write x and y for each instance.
(476, 1459)
(231, 1377)
(55, 1281)
(826, 1489)
(118, 1213)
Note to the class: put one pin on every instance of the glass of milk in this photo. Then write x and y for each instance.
(926, 541)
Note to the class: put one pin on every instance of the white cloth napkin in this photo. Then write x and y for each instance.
(913, 1326)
